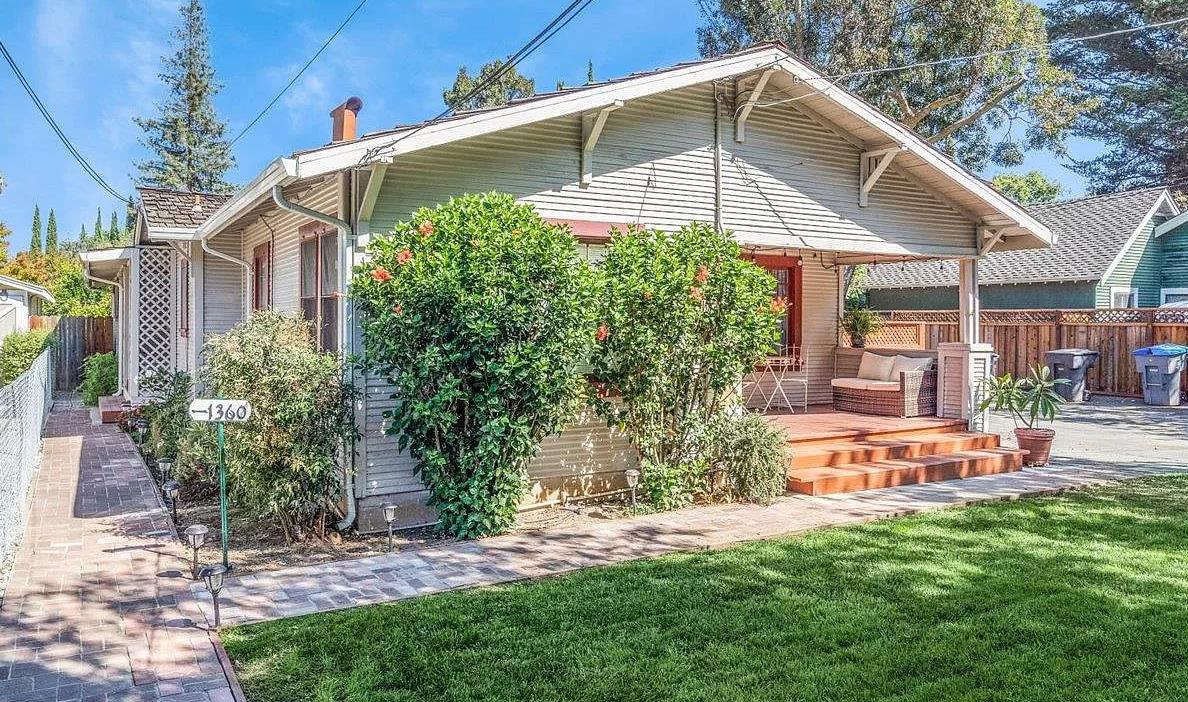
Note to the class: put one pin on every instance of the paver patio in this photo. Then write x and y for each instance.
(305, 590)
(95, 608)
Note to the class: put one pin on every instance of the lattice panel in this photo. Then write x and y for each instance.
(155, 334)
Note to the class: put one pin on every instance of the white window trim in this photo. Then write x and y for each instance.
(1115, 289)
(1164, 292)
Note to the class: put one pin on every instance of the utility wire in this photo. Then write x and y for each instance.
(571, 11)
(82, 161)
(299, 73)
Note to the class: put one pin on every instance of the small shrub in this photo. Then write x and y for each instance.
(478, 313)
(682, 318)
(750, 454)
(282, 463)
(196, 464)
(100, 377)
(19, 350)
(167, 411)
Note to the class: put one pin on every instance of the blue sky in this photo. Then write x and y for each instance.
(95, 64)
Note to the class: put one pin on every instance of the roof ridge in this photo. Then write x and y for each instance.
(182, 192)
(1102, 196)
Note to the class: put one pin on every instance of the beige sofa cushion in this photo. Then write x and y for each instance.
(905, 364)
(875, 367)
(865, 384)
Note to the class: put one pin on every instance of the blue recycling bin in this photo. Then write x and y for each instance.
(1160, 367)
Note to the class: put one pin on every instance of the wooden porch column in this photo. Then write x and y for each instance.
(970, 306)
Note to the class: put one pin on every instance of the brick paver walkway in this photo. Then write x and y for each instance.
(95, 607)
(296, 591)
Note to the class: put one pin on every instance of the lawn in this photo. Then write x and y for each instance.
(1082, 596)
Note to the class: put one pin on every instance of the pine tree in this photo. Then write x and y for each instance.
(510, 86)
(82, 235)
(130, 215)
(51, 239)
(188, 138)
(114, 234)
(589, 72)
(51, 231)
(99, 224)
(35, 235)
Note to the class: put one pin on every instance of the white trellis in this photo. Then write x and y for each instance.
(156, 331)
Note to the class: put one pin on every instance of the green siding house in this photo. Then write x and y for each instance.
(1125, 249)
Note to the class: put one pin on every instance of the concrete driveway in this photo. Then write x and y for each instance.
(1113, 430)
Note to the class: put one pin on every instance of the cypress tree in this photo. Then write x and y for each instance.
(35, 235)
(114, 234)
(130, 215)
(51, 237)
(98, 224)
(188, 142)
(51, 229)
(589, 72)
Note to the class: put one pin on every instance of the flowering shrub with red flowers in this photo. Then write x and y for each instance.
(479, 314)
(681, 319)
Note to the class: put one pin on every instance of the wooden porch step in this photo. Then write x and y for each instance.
(845, 453)
(878, 429)
(112, 408)
(889, 473)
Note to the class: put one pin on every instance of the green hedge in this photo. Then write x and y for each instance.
(19, 350)
(100, 377)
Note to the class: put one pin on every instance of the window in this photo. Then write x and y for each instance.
(1123, 297)
(319, 282)
(787, 271)
(262, 276)
(183, 297)
(1170, 295)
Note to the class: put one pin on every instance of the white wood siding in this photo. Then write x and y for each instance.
(223, 285)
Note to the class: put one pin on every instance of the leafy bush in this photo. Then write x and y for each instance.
(101, 377)
(196, 463)
(167, 411)
(19, 350)
(683, 317)
(750, 453)
(282, 462)
(478, 313)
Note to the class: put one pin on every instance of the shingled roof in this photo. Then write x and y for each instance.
(178, 209)
(1090, 232)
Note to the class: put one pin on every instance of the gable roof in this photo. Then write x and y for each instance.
(178, 209)
(860, 122)
(1092, 233)
(10, 283)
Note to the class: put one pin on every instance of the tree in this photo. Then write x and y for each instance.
(114, 234)
(970, 108)
(5, 232)
(510, 86)
(51, 231)
(130, 215)
(188, 138)
(83, 237)
(51, 238)
(589, 72)
(1141, 82)
(1028, 188)
(35, 235)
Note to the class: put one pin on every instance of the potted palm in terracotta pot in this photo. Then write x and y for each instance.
(1029, 401)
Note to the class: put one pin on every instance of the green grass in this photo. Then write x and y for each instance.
(1077, 597)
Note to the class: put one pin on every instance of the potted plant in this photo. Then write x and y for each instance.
(859, 323)
(1029, 400)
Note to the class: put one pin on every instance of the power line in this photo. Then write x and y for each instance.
(82, 161)
(299, 73)
(559, 22)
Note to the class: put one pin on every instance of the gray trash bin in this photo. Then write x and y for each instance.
(1072, 365)
(1160, 368)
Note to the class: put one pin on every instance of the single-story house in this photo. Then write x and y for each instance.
(809, 178)
(1110, 251)
(19, 300)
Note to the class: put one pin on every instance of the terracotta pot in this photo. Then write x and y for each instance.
(1037, 443)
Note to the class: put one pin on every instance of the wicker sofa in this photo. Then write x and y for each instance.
(888, 385)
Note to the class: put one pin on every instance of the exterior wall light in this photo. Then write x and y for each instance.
(390, 511)
(195, 536)
(212, 576)
(632, 482)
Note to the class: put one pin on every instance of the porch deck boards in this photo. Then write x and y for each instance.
(834, 452)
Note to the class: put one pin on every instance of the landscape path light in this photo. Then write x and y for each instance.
(195, 536)
(165, 467)
(171, 488)
(212, 576)
(632, 482)
(389, 517)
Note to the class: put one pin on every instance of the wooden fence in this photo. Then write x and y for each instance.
(1021, 337)
(78, 337)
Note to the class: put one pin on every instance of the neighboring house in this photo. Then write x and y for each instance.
(1109, 252)
(1173, 240)
(19, 300)
(808, 177)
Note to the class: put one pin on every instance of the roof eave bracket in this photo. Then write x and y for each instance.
(752, 98)
(872, 166)
(988, 238)
(592, 124)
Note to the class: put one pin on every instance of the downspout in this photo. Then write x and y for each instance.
(717, 159)
(344, 230)
(123, 338)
